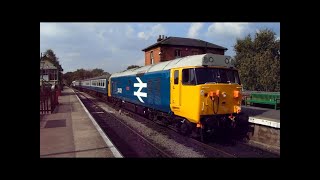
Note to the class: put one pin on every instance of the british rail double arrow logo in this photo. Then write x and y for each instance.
(138, 93)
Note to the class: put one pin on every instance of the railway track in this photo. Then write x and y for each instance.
(211, 149)
(233, 149)
(123, 137)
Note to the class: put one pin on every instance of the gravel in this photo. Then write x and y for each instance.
(159, 138)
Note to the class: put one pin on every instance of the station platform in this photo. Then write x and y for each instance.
(262, 116)
(266, 127)
(70, 131)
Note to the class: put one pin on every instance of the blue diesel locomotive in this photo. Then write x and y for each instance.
(199, 93)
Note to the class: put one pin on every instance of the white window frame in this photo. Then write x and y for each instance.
(151, 57)
(176, 54)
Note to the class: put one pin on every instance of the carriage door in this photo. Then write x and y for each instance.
(175, 89)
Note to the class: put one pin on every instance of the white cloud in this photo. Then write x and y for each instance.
(227, 29)
(194, 29)
(154, 31)
(129, 31)
(52, 29)
(142, 35)
(73, 54)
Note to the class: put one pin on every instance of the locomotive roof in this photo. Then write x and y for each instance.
(208, 59)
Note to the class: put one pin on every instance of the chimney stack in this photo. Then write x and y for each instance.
(159, 39)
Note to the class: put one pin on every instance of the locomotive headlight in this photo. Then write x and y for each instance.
(224, 94)
(227, 61)
(236, 94)
(202, 92)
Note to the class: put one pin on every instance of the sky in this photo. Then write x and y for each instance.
(115, 46)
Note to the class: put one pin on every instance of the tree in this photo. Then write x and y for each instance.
(97, 72)
(81, 74)
(53, 58)
(258, 61)
(132, 66)
(67, 77)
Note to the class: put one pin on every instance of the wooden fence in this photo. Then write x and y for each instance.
(48, 100)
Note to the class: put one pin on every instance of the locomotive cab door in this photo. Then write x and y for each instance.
(175, 88)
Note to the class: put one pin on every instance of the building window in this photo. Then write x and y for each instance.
(151, 57)
(177, 53)
(52, 74)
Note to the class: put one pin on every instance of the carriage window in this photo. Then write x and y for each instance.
(176, 77)
(114, 86)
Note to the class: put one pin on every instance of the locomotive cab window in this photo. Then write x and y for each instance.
(216, 75)
(176, 77)
(236, 76)
(188, 77)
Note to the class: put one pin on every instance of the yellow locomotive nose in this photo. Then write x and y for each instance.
(220, 99)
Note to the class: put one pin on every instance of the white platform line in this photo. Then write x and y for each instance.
(110, 145)
(264, 122)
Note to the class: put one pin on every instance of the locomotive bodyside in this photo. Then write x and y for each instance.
(148, 90)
